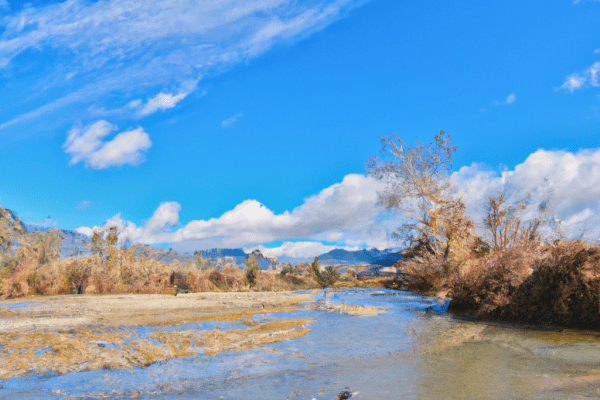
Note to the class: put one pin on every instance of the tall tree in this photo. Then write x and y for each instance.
(420, 188)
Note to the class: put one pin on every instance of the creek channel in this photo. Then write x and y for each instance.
(415, 350)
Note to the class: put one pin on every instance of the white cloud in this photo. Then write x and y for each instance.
(582, 79)
(117, 46)
(84, 230)
(164, 218)
(304, 249)
(511, 98)
(345, 211)
(162, 101)
(83, 205)
(87, 146)
(230, 121)
(154, 230)
(573, 179)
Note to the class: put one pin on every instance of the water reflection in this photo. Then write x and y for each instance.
(413, 351)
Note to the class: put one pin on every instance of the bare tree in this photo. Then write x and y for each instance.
(508, 226)
(419, 186)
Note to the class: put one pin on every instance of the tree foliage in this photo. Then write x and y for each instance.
(326, 277)
(420, 188)
(252, 269)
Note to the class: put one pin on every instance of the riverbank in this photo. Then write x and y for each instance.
(539, 284)
(64, 334)
(413, 350)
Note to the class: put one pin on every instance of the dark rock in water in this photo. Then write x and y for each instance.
(345, 394)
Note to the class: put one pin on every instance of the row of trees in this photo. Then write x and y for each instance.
(30, 263)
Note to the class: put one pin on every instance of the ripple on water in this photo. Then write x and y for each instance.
(414, 351)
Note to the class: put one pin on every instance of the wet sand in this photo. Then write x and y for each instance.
(73, 333)
(51, 312)
(64, 334)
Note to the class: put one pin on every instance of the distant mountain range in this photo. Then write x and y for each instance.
(74, 244)
(387, 257)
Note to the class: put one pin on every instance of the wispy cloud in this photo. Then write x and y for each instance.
(87, 145)
(229, 122)
(580, 80)
(511, 98)
(83, 205)
(4, 5)
(139, 48)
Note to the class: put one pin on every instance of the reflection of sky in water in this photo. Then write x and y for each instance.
(15, 305)
(380, 356)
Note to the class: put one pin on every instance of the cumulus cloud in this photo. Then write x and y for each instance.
(303, 249)
(346, 211)
(511, 98)
(88, 146)
(573, 179)
(85, 230)
(579, 80)
(230, 121)
(154, 230)
(117, 46)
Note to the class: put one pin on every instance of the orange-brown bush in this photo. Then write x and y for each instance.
(30, 264)
(563, 290)
(126, 273)
(489, 281)
(548, 284)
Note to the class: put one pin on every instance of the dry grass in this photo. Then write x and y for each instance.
(93, 275)
(74, 333)
(83, 349)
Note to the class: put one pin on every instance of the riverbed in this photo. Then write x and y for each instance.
(377, 343)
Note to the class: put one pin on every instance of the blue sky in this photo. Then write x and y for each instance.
(230, 124)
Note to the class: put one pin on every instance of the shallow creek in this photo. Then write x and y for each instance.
(412, 351)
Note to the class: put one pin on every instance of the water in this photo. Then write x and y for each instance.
(414, 351)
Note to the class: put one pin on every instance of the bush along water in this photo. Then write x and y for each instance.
(561, 288)
(515, 265)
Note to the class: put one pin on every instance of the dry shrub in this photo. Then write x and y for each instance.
(563, 290)
(547, 284)
(425, 274)
(221, 280)
(77, 273)
(488, 283)
(35, 269)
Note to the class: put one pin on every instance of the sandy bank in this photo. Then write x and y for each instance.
(87, 332)
(140, 309)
